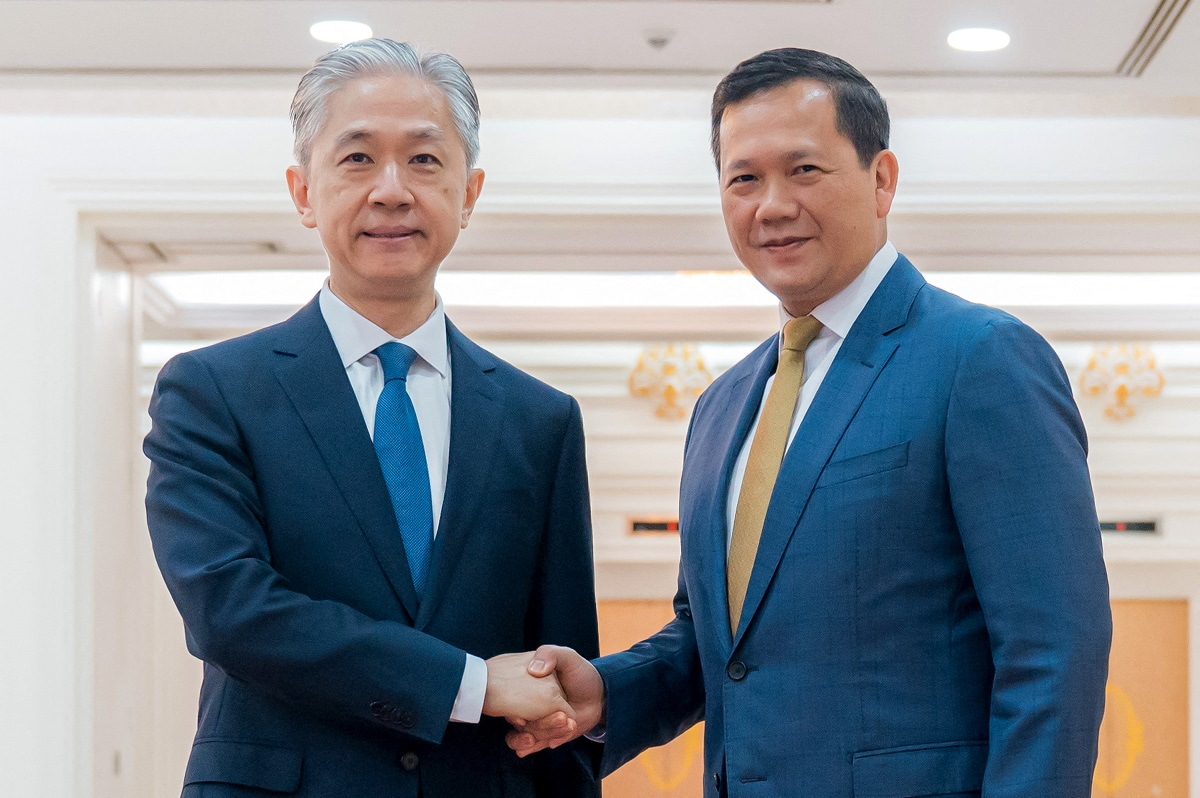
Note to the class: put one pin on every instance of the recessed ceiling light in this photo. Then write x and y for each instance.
(978, 40)
(340, 31)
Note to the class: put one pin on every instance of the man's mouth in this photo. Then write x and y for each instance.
(393, 233)
(782, 241)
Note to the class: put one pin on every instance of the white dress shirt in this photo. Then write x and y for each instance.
(837, 315)
(428, 385)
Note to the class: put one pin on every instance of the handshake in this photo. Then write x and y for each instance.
(550, 696)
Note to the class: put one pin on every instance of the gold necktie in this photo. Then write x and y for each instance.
(766, 455)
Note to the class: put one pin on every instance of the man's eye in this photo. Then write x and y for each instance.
(741, 179)
(805, 168)
(357, 157)
(425, 158)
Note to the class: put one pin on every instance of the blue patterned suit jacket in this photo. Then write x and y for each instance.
(323, 673)
(928, 611)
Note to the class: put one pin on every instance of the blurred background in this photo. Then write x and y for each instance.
(143, 212)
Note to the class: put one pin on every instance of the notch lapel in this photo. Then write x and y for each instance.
(308, 367)
(863, 355)
(744, 391)
(476, 413)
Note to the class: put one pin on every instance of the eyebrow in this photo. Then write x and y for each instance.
(793, 155)
(423, 133)
(350, 136)
(427, 133)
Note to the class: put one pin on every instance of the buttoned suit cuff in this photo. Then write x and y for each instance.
(468, 704)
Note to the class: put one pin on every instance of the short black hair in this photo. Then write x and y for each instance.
(862, 114)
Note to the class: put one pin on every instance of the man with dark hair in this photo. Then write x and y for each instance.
(860, 113)
(891, 581)
(354, 508)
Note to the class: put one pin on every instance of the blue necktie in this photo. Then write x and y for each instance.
(402, 458)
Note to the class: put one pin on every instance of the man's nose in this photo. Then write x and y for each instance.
(779, 201)
(390, 187)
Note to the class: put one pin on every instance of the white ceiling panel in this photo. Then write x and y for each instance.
(1083, 38)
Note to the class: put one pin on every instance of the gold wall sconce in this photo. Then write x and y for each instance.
(1123, 375)
(671, 373)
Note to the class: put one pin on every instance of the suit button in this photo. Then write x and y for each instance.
(403, 718)
(379, 709)
(410, 761)
(717, 781)
(736, 670)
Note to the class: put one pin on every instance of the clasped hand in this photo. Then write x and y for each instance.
(550, 696)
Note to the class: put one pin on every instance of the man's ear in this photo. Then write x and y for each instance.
(298, 186)
(474, 186)
(887, 175)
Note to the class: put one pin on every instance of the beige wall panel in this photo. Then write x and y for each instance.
(119, 606)
(1165, 416)
(1144, 457)
(676, 769)
(1144, 738)
(634, 456)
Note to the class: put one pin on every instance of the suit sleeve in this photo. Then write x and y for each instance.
(562, 608)
(1016, 455)
(207, 528)
(654, 691)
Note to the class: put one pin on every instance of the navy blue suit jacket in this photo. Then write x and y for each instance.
(928, 611)
(323, 673)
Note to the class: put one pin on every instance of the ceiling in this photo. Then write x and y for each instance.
(1091, 41)
(638, 60)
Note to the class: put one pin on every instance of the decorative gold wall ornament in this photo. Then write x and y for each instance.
(1118, 704)
(665, 778)
(1123, 374)
(671, 373)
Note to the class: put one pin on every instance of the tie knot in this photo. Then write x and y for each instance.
(799, 333)
(396, 359)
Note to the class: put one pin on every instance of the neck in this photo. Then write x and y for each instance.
(398, 314)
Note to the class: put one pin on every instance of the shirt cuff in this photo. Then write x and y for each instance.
(468, 704)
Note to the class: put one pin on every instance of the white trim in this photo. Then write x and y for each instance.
(917, 197)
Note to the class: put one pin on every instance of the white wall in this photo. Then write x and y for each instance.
(58, 463)
(62, 173)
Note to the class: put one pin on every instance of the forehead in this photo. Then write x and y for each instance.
(802, 110)
(381, 105)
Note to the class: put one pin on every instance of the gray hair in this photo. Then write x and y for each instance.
(377, 58)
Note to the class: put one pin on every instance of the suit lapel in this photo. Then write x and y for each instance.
(476, 405)
(311, 373)
(745, 391)
(863, 355)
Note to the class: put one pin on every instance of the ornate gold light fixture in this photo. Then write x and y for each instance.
(670, 372)
(1123, 374)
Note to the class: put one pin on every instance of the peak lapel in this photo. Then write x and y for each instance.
(864, 353)
(308, 367)
(476, 405)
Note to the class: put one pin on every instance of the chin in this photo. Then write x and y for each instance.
(798, 297)
(392, 269)
(787, 286)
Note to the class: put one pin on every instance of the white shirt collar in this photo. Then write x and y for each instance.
(838, 313)
(355, 336)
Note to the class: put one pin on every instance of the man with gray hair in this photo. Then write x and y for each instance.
(354, 508)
